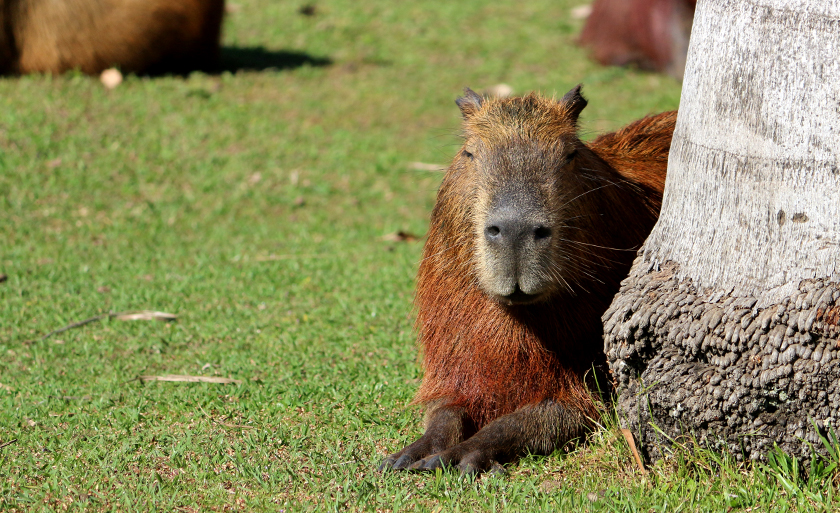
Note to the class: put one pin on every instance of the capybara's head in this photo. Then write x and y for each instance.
(528, 203)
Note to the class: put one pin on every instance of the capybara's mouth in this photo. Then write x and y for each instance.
(520, 298)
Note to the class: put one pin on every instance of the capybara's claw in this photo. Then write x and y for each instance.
(497, 469)
(468, 469)
(431, 463)
(403, 462)
(417, 465)
(387, 464)
(467, 465)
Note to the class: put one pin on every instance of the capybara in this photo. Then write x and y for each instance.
(530, 236)
(53, 36)
(652, 34)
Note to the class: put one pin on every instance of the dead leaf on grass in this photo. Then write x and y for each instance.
(551, 486)
(593, 496)
(628, 436)
(70, 397)
(6, 387)
(190, 379)
(145, 315)
(400, 236)
(235, 426)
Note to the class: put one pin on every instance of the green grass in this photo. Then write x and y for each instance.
(252, 205)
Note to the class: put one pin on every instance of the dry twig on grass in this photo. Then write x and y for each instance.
(10, 442)
(133, 315)
(628, 436)
(145, 315)
(190, 379)
(423, 166)
(235, 426)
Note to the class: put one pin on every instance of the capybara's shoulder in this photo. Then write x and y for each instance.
(639, 151)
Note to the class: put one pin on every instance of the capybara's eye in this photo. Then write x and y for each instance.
(468, 154)
(571, 156)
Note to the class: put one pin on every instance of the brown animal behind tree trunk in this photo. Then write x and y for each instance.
(651, 34)
(93, 35)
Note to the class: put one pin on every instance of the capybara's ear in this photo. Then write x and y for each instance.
(469, 103)
(574, 102)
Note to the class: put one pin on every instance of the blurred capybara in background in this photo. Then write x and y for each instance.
(652, 34)
(530, 237)
(54, 36)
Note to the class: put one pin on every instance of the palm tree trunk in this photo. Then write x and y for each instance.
(727, 329)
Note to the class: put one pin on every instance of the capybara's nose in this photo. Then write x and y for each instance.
(502, 231)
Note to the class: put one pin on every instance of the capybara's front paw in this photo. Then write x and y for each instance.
(398, 461)
(445, 429)
(408, 456)
(468, 459)
(388, 462)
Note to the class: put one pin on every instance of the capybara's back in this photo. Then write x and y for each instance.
(54, 36)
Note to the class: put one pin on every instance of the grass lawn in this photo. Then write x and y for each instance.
(253, 204)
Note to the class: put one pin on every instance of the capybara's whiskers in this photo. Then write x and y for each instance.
(444, 250)
(599, 246)
(590, 191)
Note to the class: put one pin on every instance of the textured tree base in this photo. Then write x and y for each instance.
(718, 370)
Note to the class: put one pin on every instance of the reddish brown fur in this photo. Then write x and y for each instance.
(653, 34)
(492, 359)
(639, 153)
(93, 35)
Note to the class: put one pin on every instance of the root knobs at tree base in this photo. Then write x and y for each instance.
(725, 373)
(725, 331)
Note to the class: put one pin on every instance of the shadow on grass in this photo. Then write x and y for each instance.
(257, 58)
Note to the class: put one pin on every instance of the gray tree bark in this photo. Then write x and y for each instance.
(726, 330)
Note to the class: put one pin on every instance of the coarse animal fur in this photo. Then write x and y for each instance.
(54, 36)
(511, 331)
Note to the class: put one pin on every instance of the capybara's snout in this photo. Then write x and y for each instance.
(516, 245)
